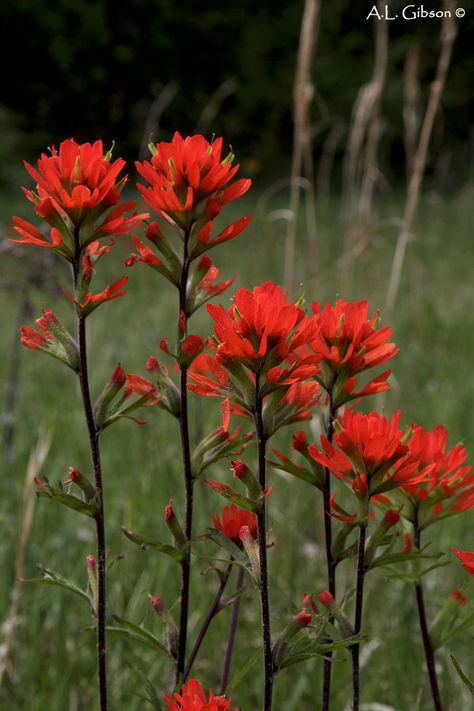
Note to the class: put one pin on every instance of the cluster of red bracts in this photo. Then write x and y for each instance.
(269, 358)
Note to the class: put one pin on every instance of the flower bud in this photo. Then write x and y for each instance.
(174, 525)
(170, 631)
(83, 483)
(447, 618)
(251, 548)
(297, 623)
(110, 391)
(390, 518)
(242, 472)
(345, 625)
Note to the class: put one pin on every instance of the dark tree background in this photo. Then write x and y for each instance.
(88, 68)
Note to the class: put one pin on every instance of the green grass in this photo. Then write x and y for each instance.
(53, 657)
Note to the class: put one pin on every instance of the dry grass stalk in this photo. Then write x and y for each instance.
(374, 129)
(448, 35)
(155, 112)
(303, 92)
(213, 106)
(327, 157)
(35, 465)
(411, 110)
(365, 127)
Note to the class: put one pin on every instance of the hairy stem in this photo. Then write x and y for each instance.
(331, 568)
(188, 478)
(212, 612)
(358, 617)
(232, 631)
(262, 546)
(425, 636)
(99, 516)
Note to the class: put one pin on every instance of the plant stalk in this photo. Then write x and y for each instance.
(188, 478)
(425, 636)
(262, 546)
(97, 468)
(212, 612)
(331, 568)
(232, 632)
(358, 617)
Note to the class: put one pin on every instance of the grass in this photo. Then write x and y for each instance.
(53, 656)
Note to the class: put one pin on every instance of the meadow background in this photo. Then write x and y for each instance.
(96, 69)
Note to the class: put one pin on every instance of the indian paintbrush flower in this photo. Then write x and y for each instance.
(192, 697)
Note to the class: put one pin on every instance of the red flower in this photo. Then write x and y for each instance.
(193, 698)
(467, 560)
(205, 366)
(91, 301)
(369, 453)
(138, 385)
(449, 477)
(233, 519)
(262, 329)
(348, 343)
(77, 183)
(187, 172)
(52, 338)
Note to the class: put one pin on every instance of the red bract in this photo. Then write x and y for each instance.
(348, 342)
(467, 560)
(369, 453)
(263, 331)
(450, 479)
(91, 301)
(233, 519)
(188, 173)
(193, 698)
(75, 186)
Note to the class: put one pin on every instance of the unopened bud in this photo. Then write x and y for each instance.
(297, 623)
(83, 483)
(174, 525)
(308, 603)
(251, 548)
(170, 631)
(391, 518)
(108, 394)
(345, 625)
(242, 472)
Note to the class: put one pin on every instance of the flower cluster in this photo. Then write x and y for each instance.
(192, 697)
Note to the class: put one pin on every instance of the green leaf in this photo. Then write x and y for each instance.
(320, 651)
(52, 578)
(239, 556)
(72, 502)
(243, 671)
(138, 633)
(390, 558)
(144, 542)
(464, 678)
(454, 631)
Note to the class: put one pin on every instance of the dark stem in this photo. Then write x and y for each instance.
(99, 516)
(262, 546)
(188, 479)
(425, 636)
(358, 617)
(212, 612)
(331, 568)
(232, 631)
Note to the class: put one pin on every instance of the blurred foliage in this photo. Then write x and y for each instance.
(93, 67)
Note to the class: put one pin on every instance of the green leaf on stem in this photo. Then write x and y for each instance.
(390, 558)
(144, 542)
(239, 556)
(137, 633)
(50, 577)
(464, 678)
(57, 493)
(243, 671)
